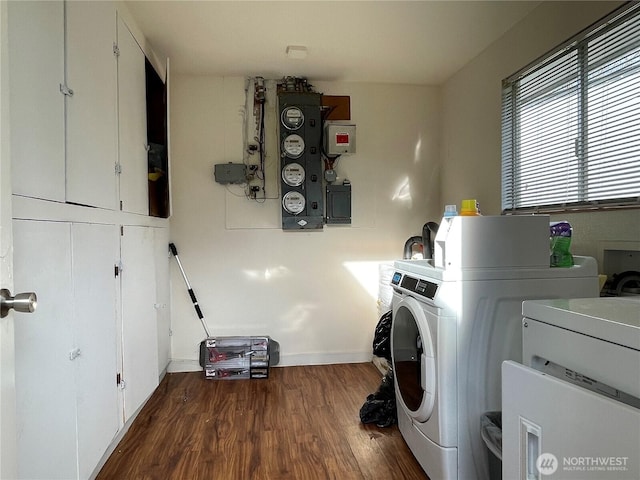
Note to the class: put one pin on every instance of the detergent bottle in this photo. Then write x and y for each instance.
(470, 208)
(450, 211)
(560, 239)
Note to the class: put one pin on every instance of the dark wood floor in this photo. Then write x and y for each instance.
(301, 423)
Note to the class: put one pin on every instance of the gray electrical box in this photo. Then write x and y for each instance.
(339, 204)
(225, 173)
(339, 139)
(301, 168)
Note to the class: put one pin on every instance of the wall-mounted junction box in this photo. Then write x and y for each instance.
(339, 139)
(225, 173)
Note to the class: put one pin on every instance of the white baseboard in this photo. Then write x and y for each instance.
(183, 365)
(323, 358)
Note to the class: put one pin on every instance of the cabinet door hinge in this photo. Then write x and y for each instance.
(122, 230)
(116, 50)
(120, 382)
(66, 90)
(118, 268)
(118, 168)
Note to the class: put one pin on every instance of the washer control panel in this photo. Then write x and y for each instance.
(415, 285)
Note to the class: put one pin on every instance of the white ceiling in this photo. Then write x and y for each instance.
(414, 42)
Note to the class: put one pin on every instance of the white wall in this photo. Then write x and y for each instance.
(471, 122)
(313, 292)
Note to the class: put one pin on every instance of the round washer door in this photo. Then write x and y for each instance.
(414, 365)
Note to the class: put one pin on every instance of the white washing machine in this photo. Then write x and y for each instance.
(456, 319)
(575, 400)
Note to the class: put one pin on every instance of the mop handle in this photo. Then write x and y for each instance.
(194, 300)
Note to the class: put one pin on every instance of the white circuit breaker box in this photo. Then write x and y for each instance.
(339, 139)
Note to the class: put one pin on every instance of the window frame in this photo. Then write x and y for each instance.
(511, 114)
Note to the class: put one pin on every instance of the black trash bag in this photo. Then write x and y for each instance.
(382, 337)
(380, 407)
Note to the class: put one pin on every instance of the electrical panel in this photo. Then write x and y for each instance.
(339, 204)
(300, 137)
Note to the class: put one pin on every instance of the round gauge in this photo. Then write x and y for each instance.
(292, 118)
(293, 202)
(293, 146)
(293, 174)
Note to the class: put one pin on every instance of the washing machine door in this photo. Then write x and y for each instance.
(413, 356)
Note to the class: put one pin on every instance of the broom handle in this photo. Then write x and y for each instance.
(194, 300)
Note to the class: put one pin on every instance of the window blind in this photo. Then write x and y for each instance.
(571, 122)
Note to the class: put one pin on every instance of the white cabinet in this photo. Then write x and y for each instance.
(139, 323)
(132, 125)
(91, 354)
(97, 156)
(66, 359)
(36, 70)
(92, 122)
(90, 328)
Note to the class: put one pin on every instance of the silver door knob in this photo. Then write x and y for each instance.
(22, 302)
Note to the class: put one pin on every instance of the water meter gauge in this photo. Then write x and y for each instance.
(293, 202)
(293, 174)
(293, 146)
(292, 118)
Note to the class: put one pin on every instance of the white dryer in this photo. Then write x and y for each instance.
(455, 320)
(572, 409)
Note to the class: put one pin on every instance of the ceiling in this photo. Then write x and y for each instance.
(406, 42)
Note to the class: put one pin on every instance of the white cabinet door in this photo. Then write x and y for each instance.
(92, 124)
(45, 380)
(94, 252)
(163, 293)
(132, 124)
(8, 433)
(36, 66)
(139, 324)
